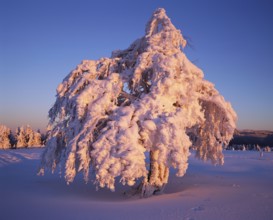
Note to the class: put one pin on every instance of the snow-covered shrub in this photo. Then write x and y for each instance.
(147, 98)
(4, 137)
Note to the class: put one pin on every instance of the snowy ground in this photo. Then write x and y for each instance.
(241, 189)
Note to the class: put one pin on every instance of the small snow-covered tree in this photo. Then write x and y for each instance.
(146, 101)
(4, 137)
(21, 137)
(13, 141)
(34, 139)
(27, 137)
(37, 142)
(30, 136)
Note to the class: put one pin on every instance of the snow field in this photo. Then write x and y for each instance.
(240, 189)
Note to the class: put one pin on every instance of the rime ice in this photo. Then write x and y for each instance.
(148, 98)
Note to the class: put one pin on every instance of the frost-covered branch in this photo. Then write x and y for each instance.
(148, 99)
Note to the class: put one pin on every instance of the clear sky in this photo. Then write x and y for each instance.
(42, 41)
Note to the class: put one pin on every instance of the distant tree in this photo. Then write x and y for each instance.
(21, 137)
(12, 139)
(146, 103)
(260, 150)
(37, 140)
(5, 133)
(27, 137)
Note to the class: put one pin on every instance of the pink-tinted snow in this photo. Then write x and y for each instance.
(240, 189)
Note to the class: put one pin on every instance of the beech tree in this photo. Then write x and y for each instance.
(145, 103)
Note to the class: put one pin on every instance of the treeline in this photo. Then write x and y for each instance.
(252, 138)
(24, 137)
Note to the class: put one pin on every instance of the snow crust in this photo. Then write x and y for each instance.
(148, 98)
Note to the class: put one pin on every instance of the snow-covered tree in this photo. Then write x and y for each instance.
(37, 141)
(13, 141)
(33, 137)
(21, 137)
(267, 149)
(145, 103)
(4, 137)
(260, 150)
(27, 137)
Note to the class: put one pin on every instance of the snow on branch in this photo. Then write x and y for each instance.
(148, 98)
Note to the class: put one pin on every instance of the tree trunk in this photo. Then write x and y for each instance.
(156, 181)
(157, 178)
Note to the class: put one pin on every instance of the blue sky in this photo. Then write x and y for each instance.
(42, 41)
